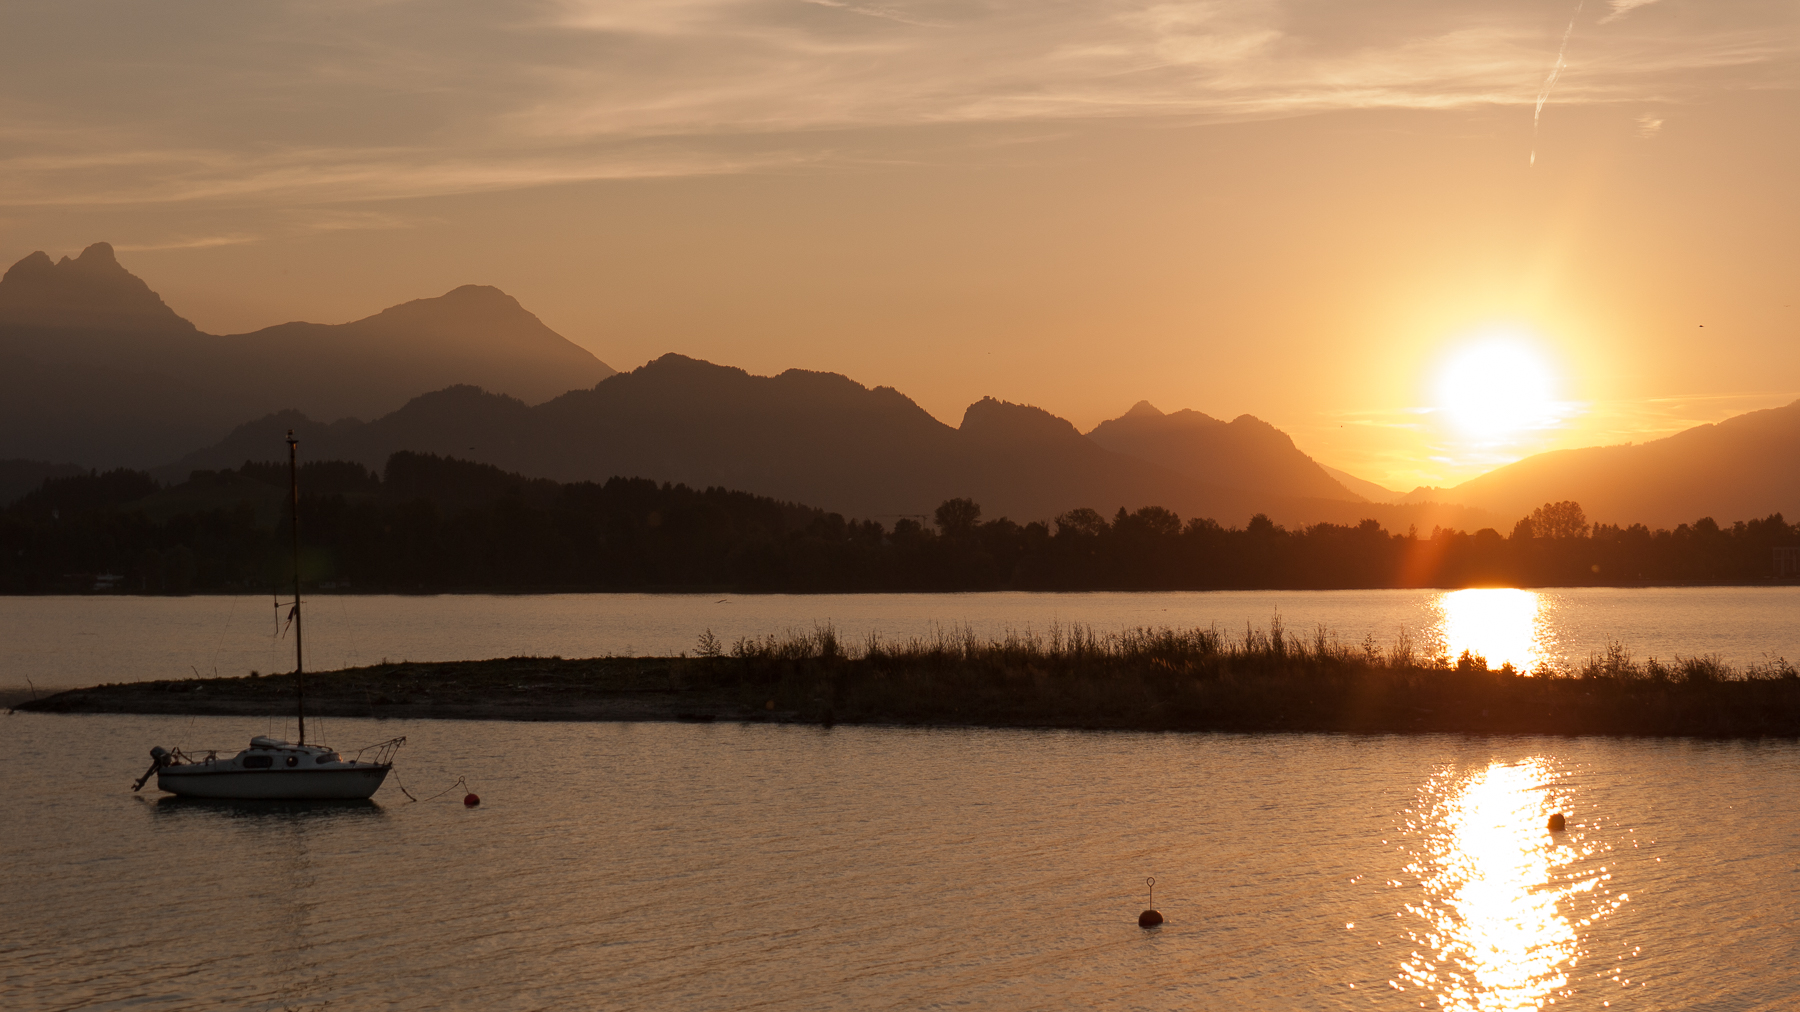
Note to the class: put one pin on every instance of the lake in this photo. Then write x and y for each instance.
(728, 866)
(65, 642)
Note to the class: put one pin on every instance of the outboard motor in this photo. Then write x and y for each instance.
(159, 757)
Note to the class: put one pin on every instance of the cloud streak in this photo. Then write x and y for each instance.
(299, 102)
(1562, 53)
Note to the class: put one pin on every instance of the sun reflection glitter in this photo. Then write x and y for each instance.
(1502, 625)
(1505, 902)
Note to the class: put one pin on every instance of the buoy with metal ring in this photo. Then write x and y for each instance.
(471, 800)
(1150, 918)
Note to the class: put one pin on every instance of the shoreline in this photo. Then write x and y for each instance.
(1286, 689)
(702, 591)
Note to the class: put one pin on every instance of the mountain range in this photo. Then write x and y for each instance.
(828, 441)
(95, 368)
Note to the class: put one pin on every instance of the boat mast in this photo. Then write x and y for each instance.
(299, 668)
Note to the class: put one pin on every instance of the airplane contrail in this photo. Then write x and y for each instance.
(1550, 82)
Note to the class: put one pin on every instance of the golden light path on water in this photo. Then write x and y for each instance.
(1506, 902)
(1502, 625)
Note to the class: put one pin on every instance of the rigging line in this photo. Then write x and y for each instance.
(1550, 82)
(220, 645)
(349, 630)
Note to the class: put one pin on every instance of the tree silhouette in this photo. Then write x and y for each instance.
(957, 518)
(1084, 521)
(1559, 521)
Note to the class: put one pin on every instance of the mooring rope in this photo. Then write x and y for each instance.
(460, 782)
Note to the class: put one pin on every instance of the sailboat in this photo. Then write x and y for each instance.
(270, 769)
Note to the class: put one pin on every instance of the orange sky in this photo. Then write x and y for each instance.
(1296, 210)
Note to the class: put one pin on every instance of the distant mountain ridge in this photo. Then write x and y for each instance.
(809, 437)
(94, 367)
(91, 292)
(1744, 467)
(1365, 488)
(1246, 453)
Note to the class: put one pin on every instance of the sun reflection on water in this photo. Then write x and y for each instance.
(1505, 902)
(1503, 625)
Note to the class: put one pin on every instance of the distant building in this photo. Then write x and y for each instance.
(1787, 563)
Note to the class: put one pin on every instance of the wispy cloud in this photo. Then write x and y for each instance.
(1620, 8)
(123, 102)
(1622, 421)
(289, 224)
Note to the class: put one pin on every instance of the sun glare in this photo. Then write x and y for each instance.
(1499, 625)
(1503, 905)
(1496, 388)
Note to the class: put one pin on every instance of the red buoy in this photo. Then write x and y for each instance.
(471, 800)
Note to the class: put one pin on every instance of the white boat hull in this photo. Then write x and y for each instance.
(219, 781)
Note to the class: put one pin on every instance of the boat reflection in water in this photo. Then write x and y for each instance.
(1505, 904)
(1503, 625)
(234, 808)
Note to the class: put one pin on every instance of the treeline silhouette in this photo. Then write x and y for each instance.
(436, 524)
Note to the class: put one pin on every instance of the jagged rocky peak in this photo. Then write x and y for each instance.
(98, 258)
(1145, 417)
(1004, 421)
(91, 291)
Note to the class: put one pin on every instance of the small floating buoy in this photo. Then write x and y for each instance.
(1556, 822)
(1150, 918)
(471, 800)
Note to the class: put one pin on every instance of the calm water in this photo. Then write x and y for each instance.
(63, 642)
(767, 867)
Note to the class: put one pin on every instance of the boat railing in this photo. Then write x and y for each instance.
(178, 757)
(382, 752)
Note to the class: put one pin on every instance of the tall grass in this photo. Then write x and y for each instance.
(1261, 679)
(1210, 649)
(1076, 644)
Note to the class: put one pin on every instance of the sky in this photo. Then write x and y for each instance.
(1424, 238)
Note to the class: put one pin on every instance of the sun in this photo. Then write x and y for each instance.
(1497, 387)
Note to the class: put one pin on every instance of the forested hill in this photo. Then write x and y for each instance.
(434, 524)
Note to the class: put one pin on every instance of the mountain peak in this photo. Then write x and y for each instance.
(90, 292)
(98, 256)
(1004, 421)
(478, 307)
(479, 320)
(480, 294)
(1246, 453)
